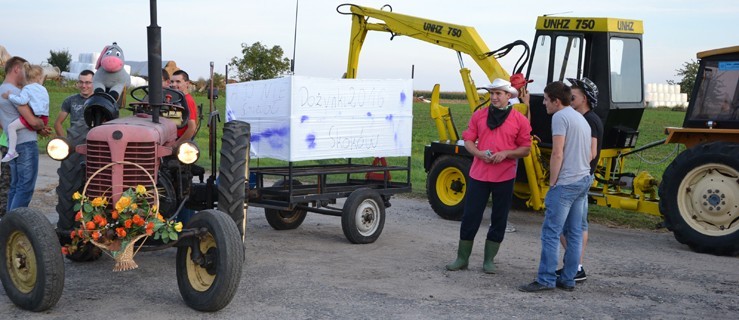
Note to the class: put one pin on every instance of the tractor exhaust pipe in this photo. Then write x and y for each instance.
(154, 45)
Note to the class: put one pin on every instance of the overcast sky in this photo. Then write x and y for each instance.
(195, 32)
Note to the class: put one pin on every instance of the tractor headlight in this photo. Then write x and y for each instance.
(188, 153)
(58, 149)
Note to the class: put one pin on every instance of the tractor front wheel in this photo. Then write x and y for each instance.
(31, 263)
(209, 277)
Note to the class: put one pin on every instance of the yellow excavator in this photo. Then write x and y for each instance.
(606, 50)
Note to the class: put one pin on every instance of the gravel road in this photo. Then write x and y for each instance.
(313, 272)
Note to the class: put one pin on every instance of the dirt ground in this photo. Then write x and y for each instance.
(313, 272)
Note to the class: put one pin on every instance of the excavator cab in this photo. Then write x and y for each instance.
(608, 51)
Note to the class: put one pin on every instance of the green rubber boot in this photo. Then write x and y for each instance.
(463, 256)
(491, 250)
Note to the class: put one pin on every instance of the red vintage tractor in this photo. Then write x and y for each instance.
(114, 154)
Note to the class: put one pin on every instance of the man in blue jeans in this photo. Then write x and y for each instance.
(569, 180)
(24, 168)
(584, 100)
(4, 175)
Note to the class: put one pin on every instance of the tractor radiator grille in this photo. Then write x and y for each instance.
(98, 156)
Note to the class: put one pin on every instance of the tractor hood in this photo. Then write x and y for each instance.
(135, 129)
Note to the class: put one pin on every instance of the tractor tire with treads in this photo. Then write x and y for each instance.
(208, 281)
(31, 263)
(235, 144)
(71, 178)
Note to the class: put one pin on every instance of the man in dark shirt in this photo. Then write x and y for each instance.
(74, 106)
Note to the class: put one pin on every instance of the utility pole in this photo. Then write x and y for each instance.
(295, 38)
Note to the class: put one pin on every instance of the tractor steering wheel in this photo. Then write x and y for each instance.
(173, 104)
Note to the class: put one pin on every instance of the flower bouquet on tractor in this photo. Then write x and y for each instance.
(117, 228)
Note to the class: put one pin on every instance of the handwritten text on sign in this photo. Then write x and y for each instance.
(325, 118)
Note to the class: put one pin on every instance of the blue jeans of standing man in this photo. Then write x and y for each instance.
(564, 212)
(584, 209)
(23, 173)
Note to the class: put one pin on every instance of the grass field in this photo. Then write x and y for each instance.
(653, 160)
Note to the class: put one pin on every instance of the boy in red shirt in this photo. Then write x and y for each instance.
(181, 81)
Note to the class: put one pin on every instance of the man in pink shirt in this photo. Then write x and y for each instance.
(497, 136)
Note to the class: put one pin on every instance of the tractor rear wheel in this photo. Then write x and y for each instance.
(699, 198)
(235, 144)
(446, 186)
(71, 179)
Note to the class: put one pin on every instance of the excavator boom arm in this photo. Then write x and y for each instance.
(456, 37)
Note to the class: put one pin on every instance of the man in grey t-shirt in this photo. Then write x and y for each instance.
(74, 106)
(24, 168)
(569, 179)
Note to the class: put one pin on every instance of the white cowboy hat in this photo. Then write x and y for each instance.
(500, 84)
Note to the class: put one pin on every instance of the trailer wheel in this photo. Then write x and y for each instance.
(363, 216)
(210, 283)
(446, 185)
(699, 198)
(32, 267)
(232, 185)
(285, 219)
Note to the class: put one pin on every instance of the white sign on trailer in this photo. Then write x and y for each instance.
(303, 118)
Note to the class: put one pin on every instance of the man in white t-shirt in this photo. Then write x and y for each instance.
(569, 180)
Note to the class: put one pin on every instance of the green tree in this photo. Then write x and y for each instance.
(688, 73)
(219, 81)
(259, 62)
(60, 59)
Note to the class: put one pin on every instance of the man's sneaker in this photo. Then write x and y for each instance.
(534, 287)
(580, 276)
(565, 287)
